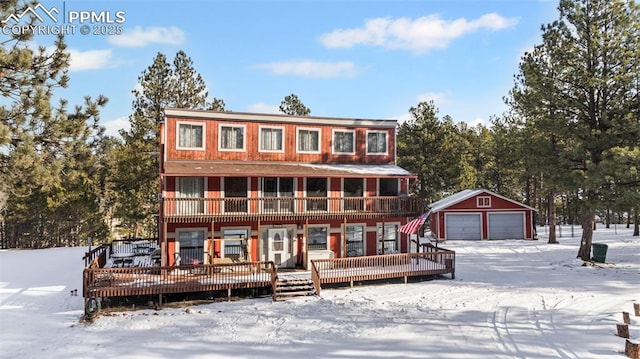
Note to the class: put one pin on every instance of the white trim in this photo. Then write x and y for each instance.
(481, 199)
(379, 225)
(204, 136)
(244, 137)
(333, 137)
(316, 129)
(327, 226)
(283, 139)
(364, 237)
(279, 118)
(386, 143)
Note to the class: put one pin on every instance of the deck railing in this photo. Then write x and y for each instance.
(132, 281)
(355, 269)
(292, 207)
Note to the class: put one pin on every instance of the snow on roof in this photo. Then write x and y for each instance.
(362, 169)
(468, 193)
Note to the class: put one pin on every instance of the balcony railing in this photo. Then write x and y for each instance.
(292, 207)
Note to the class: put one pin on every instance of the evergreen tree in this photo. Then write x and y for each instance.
(48, 165)
(579, 87)
(291, 105)
(136, 185)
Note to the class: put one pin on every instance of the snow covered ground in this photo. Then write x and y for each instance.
(510, 299)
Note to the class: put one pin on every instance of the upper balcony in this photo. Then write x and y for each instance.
(289, 208)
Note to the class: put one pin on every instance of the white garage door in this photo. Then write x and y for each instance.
(462, 226)
(506, 225)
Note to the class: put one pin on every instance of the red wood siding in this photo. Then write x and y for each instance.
(252, 153)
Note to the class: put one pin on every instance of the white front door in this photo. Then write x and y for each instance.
(279, 250)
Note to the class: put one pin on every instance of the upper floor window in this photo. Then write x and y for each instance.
(377, 142)
(308, 140)
(231, 138)
(483, 201)
(271, 139)
(190, 136)
(344, 142)
(388, 187)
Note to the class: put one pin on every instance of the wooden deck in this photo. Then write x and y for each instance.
(102, 281)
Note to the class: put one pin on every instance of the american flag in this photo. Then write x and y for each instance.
(412, 226)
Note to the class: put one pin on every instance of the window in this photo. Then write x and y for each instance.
(377, 142)
(190, 136)
(316, 187)
(317, 238)
(234, 249)
(191, 189)
(308, 140)
(483, 201)
(231, 138)
(388, 239)
(271, 139)
(191, 247)
(277, 187)
(235, 192)
(388, 187)
(344, 142)
(355, 241)
(352, 187)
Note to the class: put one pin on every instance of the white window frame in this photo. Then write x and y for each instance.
(386, 142)
(378, 242)
(282, 140)
(244, 138)
(333, 139)
(310, 129)
(480, 201)
(239, 228)
(328, 228)
(192, 229)
(204, 136)
(364, 237)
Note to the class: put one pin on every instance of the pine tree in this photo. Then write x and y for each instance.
(48, 166)
(291, 105)
(579, 89)
(136, 184)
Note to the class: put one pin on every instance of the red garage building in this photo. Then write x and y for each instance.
(481, 214)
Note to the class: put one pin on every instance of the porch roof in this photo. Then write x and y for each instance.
(237, 168)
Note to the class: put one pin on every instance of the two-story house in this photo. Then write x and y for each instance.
(269, 187)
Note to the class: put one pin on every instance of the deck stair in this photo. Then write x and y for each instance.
(287, 288)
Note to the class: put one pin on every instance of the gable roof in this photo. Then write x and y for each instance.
(466, 194)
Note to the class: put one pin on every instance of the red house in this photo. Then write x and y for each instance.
(481, 214)
(248, 186)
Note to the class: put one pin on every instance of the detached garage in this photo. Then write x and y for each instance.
(481, 214)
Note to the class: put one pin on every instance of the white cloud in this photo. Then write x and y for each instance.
(419, 35)
(262, 107)
(112, 127)
(477, 121)
(140, 37)
(310, 68)
(91, 60)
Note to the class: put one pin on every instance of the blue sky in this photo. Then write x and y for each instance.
(350, 58)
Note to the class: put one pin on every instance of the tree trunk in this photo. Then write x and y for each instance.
(636, 225)
(552, 218)
(587, 232)
(608, 219)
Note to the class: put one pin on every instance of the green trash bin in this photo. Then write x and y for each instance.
(599, 252)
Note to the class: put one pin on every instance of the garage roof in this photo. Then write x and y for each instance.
(466, 194)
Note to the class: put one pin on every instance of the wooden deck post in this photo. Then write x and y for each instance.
(631, 350)
(636, 308)
(623, 330)
(625, 318)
